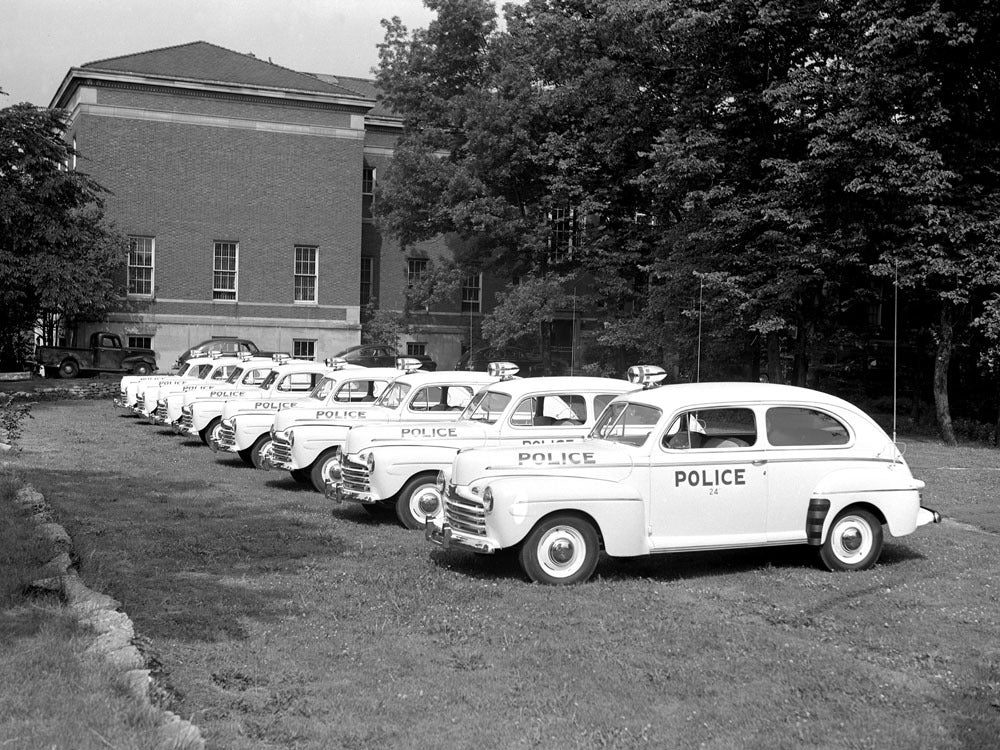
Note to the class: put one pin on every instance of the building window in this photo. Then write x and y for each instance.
(305, 274)
(304, 349)
(224, 271)
(367, 280)
(416, 348)
(140, 266)
(416, 268)
(565, 234)
(140, 342)
(367, 191)
(472, 293)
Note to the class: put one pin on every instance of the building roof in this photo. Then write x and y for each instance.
(201, 61)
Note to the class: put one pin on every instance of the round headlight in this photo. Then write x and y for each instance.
(370, 461)
(488, 500)
(187, 409)
(440, 482)
(290, 437)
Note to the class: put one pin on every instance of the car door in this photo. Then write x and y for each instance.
(804, 445)
(709, 481)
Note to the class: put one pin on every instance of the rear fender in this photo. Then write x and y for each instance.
(890, 492)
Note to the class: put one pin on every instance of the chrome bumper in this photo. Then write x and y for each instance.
(443, 536)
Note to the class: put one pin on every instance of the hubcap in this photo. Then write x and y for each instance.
(562, 551)
(428, 501)
(852, 540)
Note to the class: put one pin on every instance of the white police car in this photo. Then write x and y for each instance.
(688, 467)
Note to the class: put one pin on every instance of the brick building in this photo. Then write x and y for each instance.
(245, 190)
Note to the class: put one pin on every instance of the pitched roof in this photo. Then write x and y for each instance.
(201, 61)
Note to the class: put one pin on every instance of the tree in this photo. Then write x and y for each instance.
(59, 259)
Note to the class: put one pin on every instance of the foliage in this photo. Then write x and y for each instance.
(59, 260)
(782, 163)
(381, 326)
(12, 416)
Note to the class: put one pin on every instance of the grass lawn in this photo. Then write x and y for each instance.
(280, 622)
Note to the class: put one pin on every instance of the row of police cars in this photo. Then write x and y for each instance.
(556, 469)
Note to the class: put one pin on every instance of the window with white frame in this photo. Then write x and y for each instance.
(139, 276)
(564, 234)
(224, 269)
(472, 293)
(304, 349)
(416, 269)
(305, 273)
(367, 191)
(367, 280)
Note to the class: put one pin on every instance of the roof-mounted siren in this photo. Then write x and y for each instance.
(335, 363)
(648, 376)
(198, 352)
(280, 357)
(408, 364)
(216, 355)
(502, 370)
(245, 356)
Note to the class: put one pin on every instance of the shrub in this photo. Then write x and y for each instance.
(11, 416)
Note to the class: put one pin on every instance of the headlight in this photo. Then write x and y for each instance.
(488, 500)
(370, 461)
(229, 423)
(439, 482)
(187, 410)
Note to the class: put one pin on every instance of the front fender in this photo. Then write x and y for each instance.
(616, 508)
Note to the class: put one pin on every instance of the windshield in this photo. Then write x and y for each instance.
(486, 406)
(393, 396)
(623, 422)
(323, 388)
(269, 380)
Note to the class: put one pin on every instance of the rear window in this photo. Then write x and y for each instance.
(798, 426)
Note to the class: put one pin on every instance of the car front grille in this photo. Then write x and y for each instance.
(281, 451)
(186, 422)
(226, 437)
(160, 413)
(354, 476)
(463, 515)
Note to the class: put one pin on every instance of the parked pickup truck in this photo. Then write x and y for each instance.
(105, 354)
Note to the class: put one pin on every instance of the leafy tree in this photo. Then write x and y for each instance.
(59, 260)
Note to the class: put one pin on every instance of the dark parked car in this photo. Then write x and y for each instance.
(530, 364)
(225, 345)
(379, 355)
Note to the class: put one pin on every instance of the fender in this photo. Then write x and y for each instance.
(617, 508)
(890, 489)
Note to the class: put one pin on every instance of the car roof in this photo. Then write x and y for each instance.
(364, 373)
(679, 395)
(425, 377)
(581, 383)
(301, 366)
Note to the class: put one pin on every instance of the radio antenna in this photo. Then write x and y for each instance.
(701, 296)
(895, 344)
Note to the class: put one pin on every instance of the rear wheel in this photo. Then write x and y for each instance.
(325, 469)
(854, 541)
(260, 450)
(69, 369)
(142, 368)
(561, 550)
(419, 501)
(210, 432)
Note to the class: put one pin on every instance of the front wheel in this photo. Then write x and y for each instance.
(210, 433)
(325, 468)
(854, 541)
(561, 550)
(261, 450)
(69, 369)
(419, 502)
(141, 368)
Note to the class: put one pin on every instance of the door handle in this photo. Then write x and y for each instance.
(759, 462)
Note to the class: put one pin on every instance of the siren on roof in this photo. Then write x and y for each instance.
(216, 355)
(198, 352)
(335, 363)
(648, 376)
(408, 364)
(245, 356)
(280, 357)
(502, 370)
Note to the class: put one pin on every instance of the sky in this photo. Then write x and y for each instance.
(40, 40)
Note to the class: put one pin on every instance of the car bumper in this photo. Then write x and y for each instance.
(441, 534)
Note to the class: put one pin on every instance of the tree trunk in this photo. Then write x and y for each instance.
(942, 361)
(774, 358)
(801, 361)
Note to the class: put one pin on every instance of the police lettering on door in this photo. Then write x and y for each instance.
(709, 477)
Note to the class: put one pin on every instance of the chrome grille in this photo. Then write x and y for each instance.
(227, 436)
(160, 414)
(354, 476)
(281, 450)
(464, 515)
(186, 422)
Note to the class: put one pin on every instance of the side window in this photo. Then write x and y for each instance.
(223, 372)
(360, 390)
(428, 399)
(552, 410)
(457, 397)
(788, 425)
(602, 400)
(256, 377)
(298, 382)
(712, 428)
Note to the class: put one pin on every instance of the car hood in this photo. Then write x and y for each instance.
(316, 412)
(608, 462)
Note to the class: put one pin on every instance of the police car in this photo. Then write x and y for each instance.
(396, 465)
(131, 388)
(151, 395)
(315, 445)
(201, 407)
(245, 422)
(688, 467)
